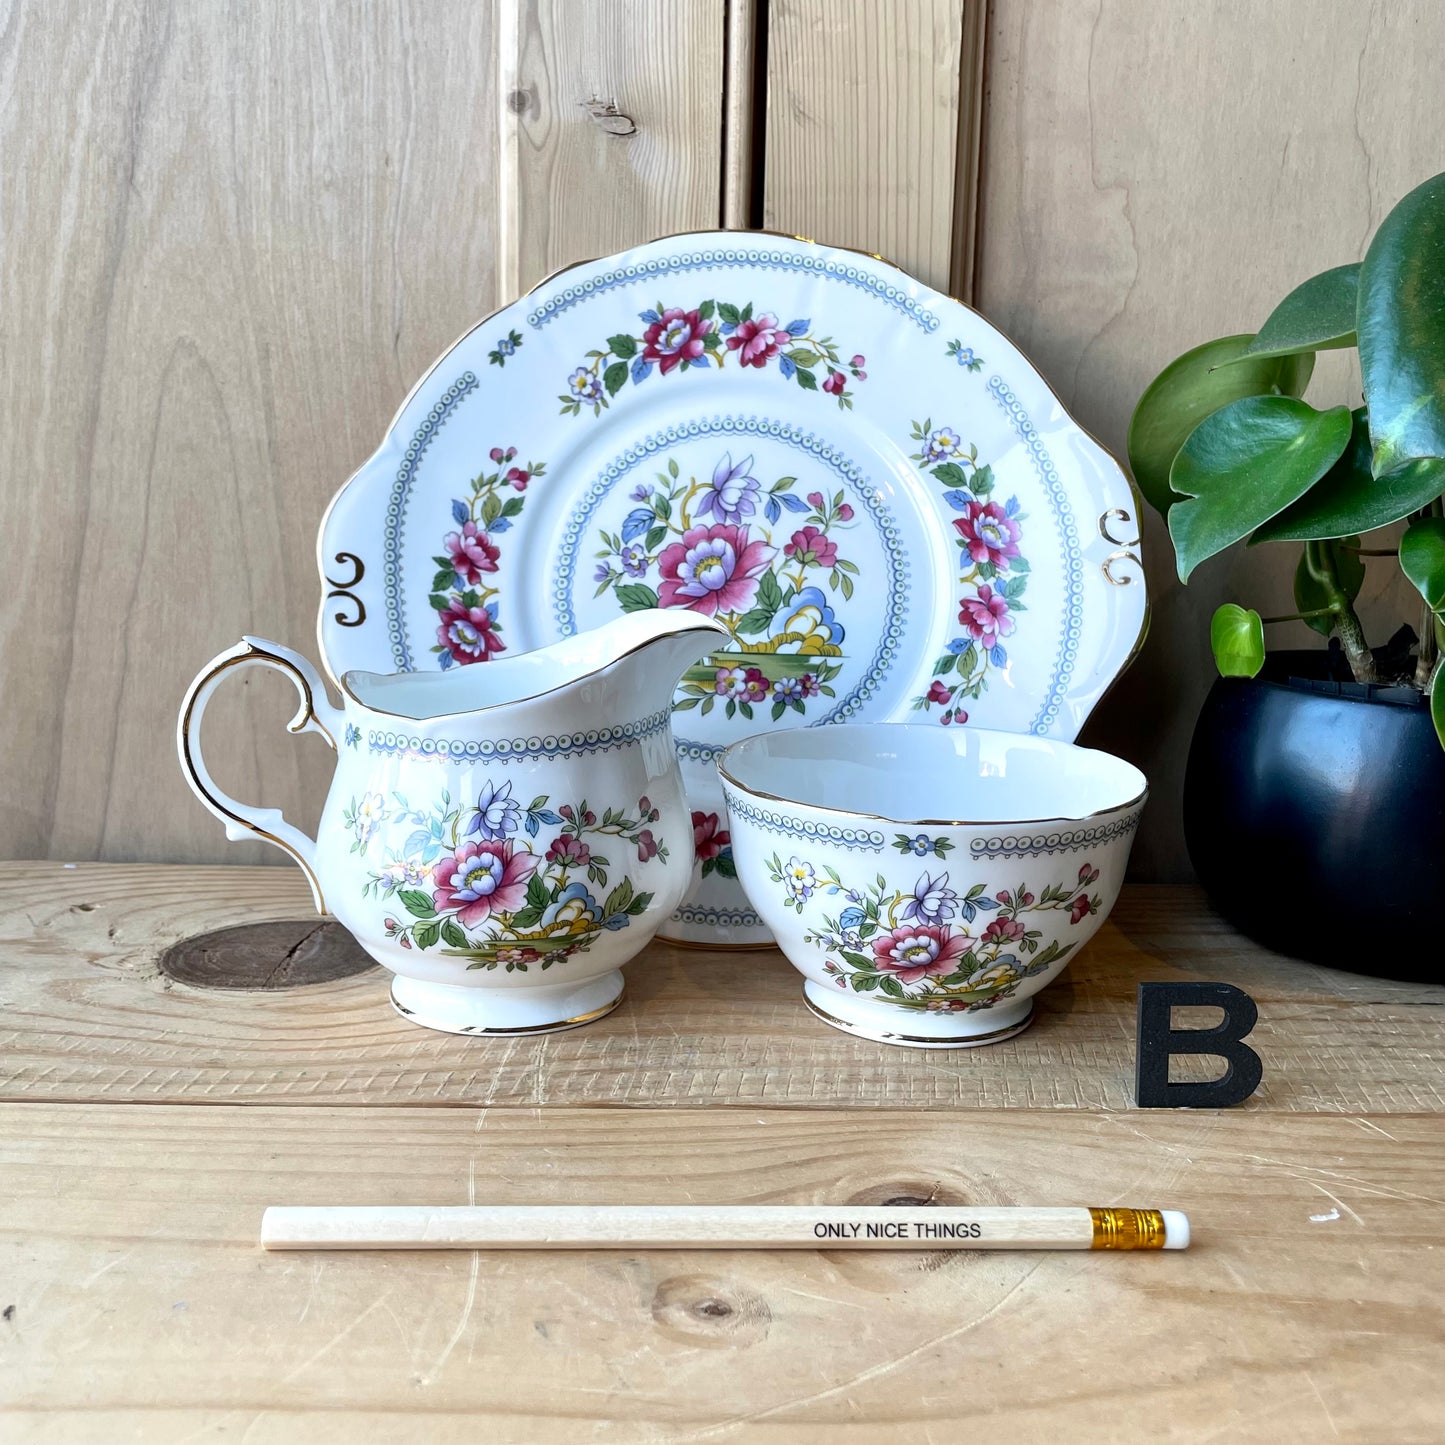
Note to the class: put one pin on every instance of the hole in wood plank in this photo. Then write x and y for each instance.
(266, 956)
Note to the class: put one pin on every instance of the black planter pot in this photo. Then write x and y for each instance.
(1314, 811)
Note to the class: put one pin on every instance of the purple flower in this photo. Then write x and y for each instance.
(732, 497)
(641, 492)
(497, 812)
(585, 387)
(634, 560)
(933, 900)
(603, 573)
(788, 689)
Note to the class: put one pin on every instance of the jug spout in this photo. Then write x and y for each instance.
(657, 646)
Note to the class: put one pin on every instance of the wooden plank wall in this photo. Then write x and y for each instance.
(231, 237)
(1157, 173)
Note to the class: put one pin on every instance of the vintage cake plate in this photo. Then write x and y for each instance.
(871, 488)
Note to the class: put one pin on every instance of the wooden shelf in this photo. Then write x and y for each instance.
(149, 1122)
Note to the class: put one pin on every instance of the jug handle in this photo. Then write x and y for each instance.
(314, 715)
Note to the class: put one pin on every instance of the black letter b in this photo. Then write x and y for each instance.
(1158, 1039)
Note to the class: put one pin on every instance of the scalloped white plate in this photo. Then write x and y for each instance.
(862, 477)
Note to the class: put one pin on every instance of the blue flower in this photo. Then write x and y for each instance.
(933, 900)
(814, 597)
(634, 559)
(507, 346)
(497, 812)
(641, 492)
(603, 573)
(733, 494)
(353, 735)
(921, 844)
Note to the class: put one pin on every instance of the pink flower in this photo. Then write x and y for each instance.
(845, 513)
(989, 534)
(835, 383)
(712, 569)
(480, 879)
(499, 456)
(757, 340)
(708, 840)
(756, 684)
(812, 549)
(857, 361)
(986, 617)
(815, 499)
(519, 478)
(468, 633)
(646, 845)
(937, 692)
(917, 950)
(570, 852)
(1003, 930)
(472, 553)
(1088, 875)
(1080, 908)
(677, 336)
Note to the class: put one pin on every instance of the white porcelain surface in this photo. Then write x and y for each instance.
(869, 484)
(954, 875)
(502, 838)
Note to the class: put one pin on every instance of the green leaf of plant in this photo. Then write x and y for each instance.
(1422, 560)
(806, 380)
(1318, 315)
(728, 312)
(1349, 499)
(1189, 389)
(537, 895)
(1244, 464)
(452, 935)
(636, 596)
(1401, 328)
(1437, 704)
(1236, 635)
(655, 538)
(615, 377)
(623, 346)
(1309, 592)
(417, 903)
(951, 475)
(425, 934)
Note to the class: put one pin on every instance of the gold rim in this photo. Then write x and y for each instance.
(551, 1028)
(1135, 494)
(967, 1041)
(699, 947)
(797, 804)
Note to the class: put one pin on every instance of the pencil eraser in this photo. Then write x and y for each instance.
(1176, 1229)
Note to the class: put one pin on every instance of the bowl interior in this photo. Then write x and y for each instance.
(931, 774)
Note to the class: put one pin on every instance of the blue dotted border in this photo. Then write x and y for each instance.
(863, 839)
(1073, 555)
(848, 272)
(559, 745)
(1009, 846)
(718, 917)
(884, 655)
(431, 424)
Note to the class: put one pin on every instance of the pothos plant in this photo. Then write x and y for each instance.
(1223, 446)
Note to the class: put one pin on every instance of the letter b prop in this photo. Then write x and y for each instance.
(1158, 1039)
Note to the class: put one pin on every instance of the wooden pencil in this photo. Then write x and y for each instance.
(718, 1226)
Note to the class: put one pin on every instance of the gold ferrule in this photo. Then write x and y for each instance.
(1127, 1229)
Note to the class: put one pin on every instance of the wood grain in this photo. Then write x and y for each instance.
(1157, 175)
(86, 1015)
(231, 238)
(1308, 1308)
(863, 111)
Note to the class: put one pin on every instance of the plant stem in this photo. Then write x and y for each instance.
(1321, 564)
(1298, 616)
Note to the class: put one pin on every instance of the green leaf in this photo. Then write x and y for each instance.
(1348, 499)
(801, 356)
(1318, 315)
(618, 899)
(707, 311)
(1401, 328)
(491, 508)
(425, 935)
(537, 895)
(1244, 464)
(1236, 634)
(770, 595)
(1422, 560)
(1309, 592)
(806, 380)
(615, 377)
(729, 313)
(754, 621)
(453, 936)
(654, 538)
(1437, 704)
(444, 578)
(439, 601)
(636, 596)
(951, 475)
(623, 346)
(417, 903)
(1191, 388)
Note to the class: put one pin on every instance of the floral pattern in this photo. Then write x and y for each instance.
(481, 880)
(993, 572)
(713, 544)
(933, 947)
(464, 590)
(713, 845)
(674, 339)
(508, 345)
(964, 356)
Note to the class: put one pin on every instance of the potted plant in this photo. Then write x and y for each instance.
(1314, 801)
